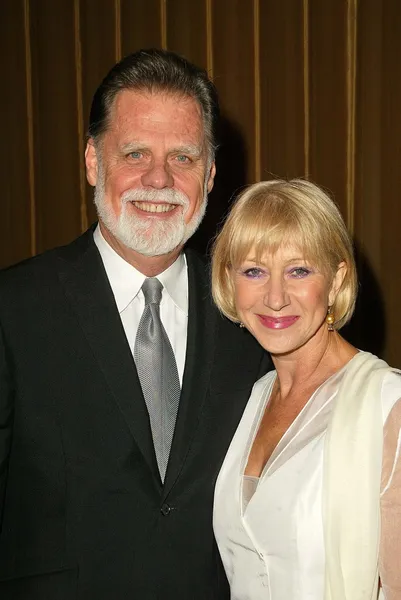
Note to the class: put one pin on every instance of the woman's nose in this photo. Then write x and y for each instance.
(276, 296)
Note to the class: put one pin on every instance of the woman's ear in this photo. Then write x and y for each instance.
(337, 282)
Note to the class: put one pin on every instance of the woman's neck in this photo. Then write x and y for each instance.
(308, 367)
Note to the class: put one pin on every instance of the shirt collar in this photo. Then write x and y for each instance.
(126, 281)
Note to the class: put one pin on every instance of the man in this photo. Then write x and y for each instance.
(116, 406)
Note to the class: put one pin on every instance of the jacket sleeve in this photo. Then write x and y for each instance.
(266, 364)
(6, 420)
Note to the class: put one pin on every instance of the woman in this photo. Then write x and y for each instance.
(308, 500)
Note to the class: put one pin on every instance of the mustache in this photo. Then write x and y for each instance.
(167, 195)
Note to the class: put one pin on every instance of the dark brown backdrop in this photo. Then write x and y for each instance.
(307, 87)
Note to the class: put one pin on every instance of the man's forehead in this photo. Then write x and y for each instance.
(141, 118)
(141, 101)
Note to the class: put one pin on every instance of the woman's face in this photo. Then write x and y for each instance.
(283, 299)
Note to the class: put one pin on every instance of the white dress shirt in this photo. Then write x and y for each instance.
(126, 283)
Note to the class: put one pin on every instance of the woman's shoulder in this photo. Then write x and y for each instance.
(368, 363)
(392, 379)
(367, 376)
(391, 391)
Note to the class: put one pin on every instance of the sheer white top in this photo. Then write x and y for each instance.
(270, 530)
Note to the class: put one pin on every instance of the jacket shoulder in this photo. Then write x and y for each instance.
(33, 275)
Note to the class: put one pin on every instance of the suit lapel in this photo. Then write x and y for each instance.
(198, 363)
(87, 288)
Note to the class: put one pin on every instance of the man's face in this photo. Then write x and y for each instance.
(151, 171)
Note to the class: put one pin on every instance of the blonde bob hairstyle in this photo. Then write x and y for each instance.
(273, 213)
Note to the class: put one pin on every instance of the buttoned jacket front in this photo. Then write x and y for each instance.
(84, 513)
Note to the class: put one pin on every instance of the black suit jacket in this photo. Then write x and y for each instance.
(83, 512)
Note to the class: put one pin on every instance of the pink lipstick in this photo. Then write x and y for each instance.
(277, 322)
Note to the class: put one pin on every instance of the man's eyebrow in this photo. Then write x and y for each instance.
(133, 145)
(187, 149)
(191, 149)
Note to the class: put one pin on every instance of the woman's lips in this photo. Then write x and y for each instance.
(277, 322)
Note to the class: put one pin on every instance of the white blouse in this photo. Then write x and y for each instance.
(270, 530)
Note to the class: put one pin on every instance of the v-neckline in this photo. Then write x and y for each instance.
(300, 424)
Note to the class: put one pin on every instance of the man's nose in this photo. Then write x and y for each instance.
(158, 176)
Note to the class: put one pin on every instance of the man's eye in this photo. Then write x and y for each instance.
(183, 159)
(136, 154)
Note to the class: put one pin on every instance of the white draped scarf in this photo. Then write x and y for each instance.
(352, 478)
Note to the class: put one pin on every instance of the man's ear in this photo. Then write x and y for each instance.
(212, 174)
(91, 162)
(337, 282)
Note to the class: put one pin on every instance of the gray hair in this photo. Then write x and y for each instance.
(160, 71)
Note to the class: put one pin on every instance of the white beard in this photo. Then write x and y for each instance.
(146, 235)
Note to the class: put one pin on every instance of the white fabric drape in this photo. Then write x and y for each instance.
(351, 482)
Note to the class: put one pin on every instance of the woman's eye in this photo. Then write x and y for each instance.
(253, 273)
(300, 272)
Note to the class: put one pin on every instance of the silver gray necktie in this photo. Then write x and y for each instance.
(157, 371)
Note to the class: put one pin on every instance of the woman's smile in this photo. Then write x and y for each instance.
(277, 322)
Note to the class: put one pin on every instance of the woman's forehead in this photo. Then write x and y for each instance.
(266, 248)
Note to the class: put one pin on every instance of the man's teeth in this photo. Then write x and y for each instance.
(154, 208)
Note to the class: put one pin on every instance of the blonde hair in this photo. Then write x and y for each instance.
(297, 213)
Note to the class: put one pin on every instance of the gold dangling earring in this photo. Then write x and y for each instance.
(330, 319)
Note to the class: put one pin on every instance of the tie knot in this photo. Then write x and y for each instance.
(152, 290)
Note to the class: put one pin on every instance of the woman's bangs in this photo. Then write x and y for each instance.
(262, 235)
